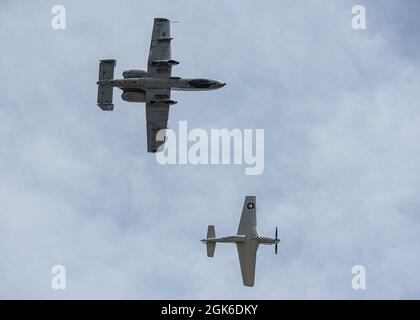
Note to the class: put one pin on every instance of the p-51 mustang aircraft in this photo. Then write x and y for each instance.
(247, 240)
(152, 86)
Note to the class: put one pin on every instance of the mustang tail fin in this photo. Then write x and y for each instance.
(106, 72)
(211, 246)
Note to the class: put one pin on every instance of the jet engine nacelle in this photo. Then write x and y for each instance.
(134, 74)
(134, 96)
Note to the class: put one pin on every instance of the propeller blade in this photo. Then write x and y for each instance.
(276, 232)
(276, 248)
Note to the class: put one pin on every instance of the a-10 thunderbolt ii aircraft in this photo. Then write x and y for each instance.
(152, 86)
(247, 240)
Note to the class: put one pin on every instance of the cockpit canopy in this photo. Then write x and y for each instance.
(200, 83)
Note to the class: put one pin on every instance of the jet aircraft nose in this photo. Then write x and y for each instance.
(219, 84)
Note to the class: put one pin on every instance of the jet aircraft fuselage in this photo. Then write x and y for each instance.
(134, 89)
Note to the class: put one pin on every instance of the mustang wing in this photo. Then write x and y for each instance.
(247, 253)
(248, 223)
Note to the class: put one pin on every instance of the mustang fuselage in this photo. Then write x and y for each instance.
(242, 239)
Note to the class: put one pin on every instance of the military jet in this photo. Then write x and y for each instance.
(247, 240)
(153, 86)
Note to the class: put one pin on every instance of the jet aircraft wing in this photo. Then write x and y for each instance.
(157, 113)
(247, 252)
(248, 223)
(160, 63)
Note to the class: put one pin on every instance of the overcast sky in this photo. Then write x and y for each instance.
(341, 114)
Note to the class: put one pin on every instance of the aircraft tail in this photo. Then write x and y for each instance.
(106, 72)
(211, 246)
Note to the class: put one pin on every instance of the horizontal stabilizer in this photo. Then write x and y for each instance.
(105, 98)
(106, 69)
(106, 72)
(211, 246)
(211, 232)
